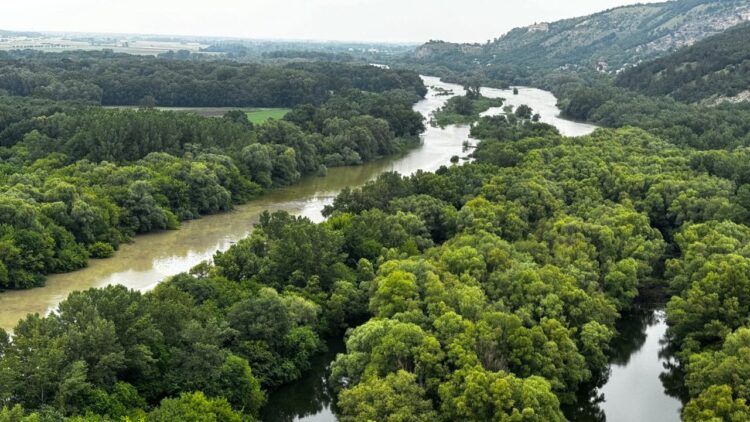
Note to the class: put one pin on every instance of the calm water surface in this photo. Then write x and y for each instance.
(634, 391)
(544, 103)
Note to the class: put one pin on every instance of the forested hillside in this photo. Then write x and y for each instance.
(714, 69)
(120, 79)
(597, 100)
(606, 41)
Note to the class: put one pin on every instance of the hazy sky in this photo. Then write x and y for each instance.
(371, 20)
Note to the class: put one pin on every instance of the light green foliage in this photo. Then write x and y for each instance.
(485, 291)
(261, 115)
(728, 366)
(397, 397)
(78, 181)
(475, 394)
(194, 407)
(379, 347)
(393, 294)
(17, 414)
(716, 405)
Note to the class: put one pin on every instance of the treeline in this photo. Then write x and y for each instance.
(718, 66)
(75, 181)
(486, 291)
(606, 41)
(709, 314)
(302, 55)
(118, 79)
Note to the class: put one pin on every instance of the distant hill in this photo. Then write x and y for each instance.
(8, 34)
(607, 40)
(713, 70)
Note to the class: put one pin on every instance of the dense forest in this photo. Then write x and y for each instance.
(718, 66)
(119, 79)
(705, 268)
(597, 100)
(78, 180)
(487, 291)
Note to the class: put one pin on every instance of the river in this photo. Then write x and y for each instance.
(542, 102)
(634, 391)
(634, 382)
(152, 257)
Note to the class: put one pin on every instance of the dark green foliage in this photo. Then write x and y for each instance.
(487, 291)
(495, 284)
(700, 127)
(119, 79)
(718, 66)
(703, 210)
(562, 248)
(77, 181)
(498, 132)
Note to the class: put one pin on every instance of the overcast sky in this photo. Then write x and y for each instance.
(346, 20)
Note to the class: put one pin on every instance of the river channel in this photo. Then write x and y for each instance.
(633, 391)
(152, 257)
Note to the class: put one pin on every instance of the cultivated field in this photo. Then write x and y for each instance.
(262, 114)
(255, 115)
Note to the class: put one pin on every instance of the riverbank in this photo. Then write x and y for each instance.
(638, 361)
(152, 257)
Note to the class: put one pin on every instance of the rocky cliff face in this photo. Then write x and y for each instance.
(614, 37)
(700, 22)
(712, 70)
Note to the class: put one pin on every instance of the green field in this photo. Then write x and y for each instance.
(255, 115)
(262, 114)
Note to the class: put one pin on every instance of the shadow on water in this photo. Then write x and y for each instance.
(642, 382)
(308, 399)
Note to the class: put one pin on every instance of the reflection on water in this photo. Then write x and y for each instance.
(153, 257)
(633, 391)
(285, 404)
(309, 399)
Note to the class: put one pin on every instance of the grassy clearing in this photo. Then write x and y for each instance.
(262, 114)
(255, 115)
